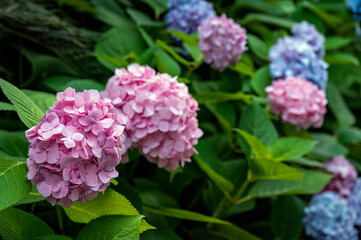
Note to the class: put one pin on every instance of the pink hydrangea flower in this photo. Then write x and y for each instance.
(75, 147)
(297, 101)
(159, 114)
(222, 41)
(344, 173)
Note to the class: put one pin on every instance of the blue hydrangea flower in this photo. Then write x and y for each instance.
(175, 3)
(329, 218)
(185, 16)
(354, 201)
(355, 7)
(308, 32)
(291, 57)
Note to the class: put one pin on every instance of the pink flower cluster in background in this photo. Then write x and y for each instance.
(159, 113)
(297, 101)
(222, 41)
(344, 173)
(75, 147)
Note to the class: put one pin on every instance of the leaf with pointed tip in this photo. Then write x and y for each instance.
(29, 113)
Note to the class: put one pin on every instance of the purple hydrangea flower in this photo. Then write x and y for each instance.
(185, 16)
(292, 56)
(354, 201)
(328, 217)
(344, 174)
(222, 41)
(308, 32)
(355, 8)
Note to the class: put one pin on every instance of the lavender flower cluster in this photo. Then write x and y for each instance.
(300, 55)
(186, 15)
(335, 213)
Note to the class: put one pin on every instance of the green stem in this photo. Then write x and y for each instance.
(60, 218)
(241, 190)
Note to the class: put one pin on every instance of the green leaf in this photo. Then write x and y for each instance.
(338, 107)
(222, 183)
(55, 237)
(42, 99)
(159, 6)
(13, 182)
(327, 146)
(18, 225)
(312, 182)
(60, 83)
(259, 150)
(341, 58)
(258, 47)
(286, 217)
(85, 84)
(32, 197)
(79, 5)
(111, 227)
(350, 135)
(109, 203)
(29, 113)
(232, 232)
(290, 148)
(330, 19)
(172, 52)
(216, 97)
(147, 55)
(267, 19)
(161, 233)
(166, 64)
(243, 68)
(261, 169)
(184, 37)
(239, 208)
(6, 107)
(182, 214)
(14, 143)
(195, 52)
(269, 188)
(142, 19)
(118, 43)
(261, 6)
(261, 81)
(43, 66)
(225, 124)
(335, 42)
(255, 122)
(306, 162)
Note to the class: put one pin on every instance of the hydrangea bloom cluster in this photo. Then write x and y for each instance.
(355, 7)
(75, 147)
(185, 16)
(309, 34)
(222, 41)
(292, 56)
(354, 201)
(297, 101)
(329, 218)
(159, 113)
(344, 173)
